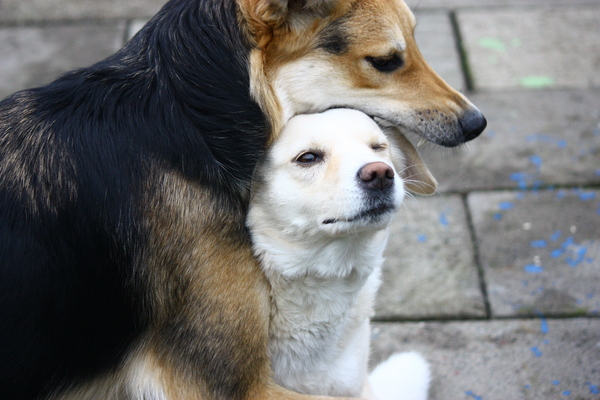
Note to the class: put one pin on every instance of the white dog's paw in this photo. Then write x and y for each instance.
(404, 376)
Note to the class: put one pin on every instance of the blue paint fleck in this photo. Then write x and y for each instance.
(536, 160)
(562, 144)
(566, 393)
(498, 216)
(473, 395)
(422, 238)
(557, 253)
(527, 386)
(506, 205)
(594, 389)
(544, 326)
(556, 383)
(444, 219)
(533, 269)
(536, 352)
(539, 244)
(521, 178)
(555, 236)
(579, 257)
(587, 196)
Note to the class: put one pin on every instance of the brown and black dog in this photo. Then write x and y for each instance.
(126, 271)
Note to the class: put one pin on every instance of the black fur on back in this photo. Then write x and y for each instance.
(75, 156)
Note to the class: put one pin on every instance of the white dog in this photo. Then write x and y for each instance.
(322, 203)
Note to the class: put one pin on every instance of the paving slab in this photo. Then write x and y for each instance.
(532, 48)
(44, 10)
(534, 138)
(453, 4)
(501, 360)
(540, 251)
(37, 55)
(430, 269)
(435, 37)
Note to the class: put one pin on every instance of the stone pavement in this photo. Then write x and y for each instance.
(495, 279)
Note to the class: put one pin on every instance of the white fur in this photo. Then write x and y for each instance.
(403, 376)
(323, 276)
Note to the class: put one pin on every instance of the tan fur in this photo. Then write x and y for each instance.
(375, 28)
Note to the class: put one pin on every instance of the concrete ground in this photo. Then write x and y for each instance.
(495, 279)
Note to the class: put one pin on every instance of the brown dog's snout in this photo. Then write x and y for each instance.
(376, 176)
(472, 123)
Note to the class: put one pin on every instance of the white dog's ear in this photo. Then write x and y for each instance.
(416, 175)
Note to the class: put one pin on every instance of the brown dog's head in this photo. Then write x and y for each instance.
(312, 55)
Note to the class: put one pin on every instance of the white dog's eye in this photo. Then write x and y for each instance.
(378, 146)
(308, 158)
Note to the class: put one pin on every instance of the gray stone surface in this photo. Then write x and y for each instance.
(453, 4)
(42, 10)
(533, 138)
(435, 38)
(37, 55)
(430, 269)
(541, 47)
(502, 360)
(540, 251)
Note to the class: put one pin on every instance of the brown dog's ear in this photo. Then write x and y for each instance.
(276, 13)
(416, 175)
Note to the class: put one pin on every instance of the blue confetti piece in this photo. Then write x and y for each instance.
(473, 395)
(533, 269)
(555, 236)
(562, 144)
(527, 386)
(566, 393)
(422, 238)
(594, 389)
(556, 383)
(539, 244)
(506, 205)
(498, 216)
(536, 352)
(544, 326)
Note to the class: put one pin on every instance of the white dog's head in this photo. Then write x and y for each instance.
(334, 173)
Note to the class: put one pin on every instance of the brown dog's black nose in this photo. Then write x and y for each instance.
(472, 123)
(376, 176)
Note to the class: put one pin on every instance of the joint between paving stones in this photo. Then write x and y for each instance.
(464, 59)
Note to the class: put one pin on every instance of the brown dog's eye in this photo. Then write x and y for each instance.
(308, 158)
(386, 64)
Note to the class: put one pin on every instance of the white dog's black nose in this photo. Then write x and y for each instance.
(376, 176)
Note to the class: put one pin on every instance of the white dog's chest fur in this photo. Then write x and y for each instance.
(319, 330)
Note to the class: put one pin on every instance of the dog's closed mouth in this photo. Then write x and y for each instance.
(371, 213)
